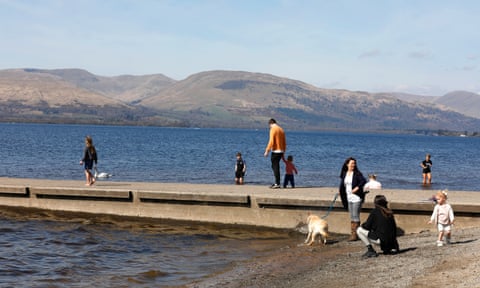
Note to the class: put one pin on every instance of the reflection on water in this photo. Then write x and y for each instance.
(47, 249)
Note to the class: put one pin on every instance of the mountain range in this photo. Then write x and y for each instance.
(229, 99)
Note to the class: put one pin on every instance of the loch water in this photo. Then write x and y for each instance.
(40, 249)
(185, 155)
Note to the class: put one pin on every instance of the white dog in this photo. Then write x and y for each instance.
(316, 226)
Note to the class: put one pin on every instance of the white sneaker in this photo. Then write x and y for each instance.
(439, 243)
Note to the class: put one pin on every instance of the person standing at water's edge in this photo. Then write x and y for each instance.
(427, 171)
(88, 159)
(351, 193)
(277, 144)
(240, 169)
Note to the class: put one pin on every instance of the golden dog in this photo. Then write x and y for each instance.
(316, 226)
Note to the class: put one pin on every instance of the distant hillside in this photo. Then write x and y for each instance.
(245, 99)
(463, 102)
(467, 103)
(126, 88)
(27, 96)
(412, 98)
(231, 99)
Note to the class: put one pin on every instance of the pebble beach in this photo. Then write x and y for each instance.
(420, 263)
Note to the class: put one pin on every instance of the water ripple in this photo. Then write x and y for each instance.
(59, 252)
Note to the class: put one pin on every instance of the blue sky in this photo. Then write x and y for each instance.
(420, 47)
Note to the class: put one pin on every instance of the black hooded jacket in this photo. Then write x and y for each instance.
(383, 227)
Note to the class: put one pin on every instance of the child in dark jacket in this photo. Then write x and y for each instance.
(240, 169)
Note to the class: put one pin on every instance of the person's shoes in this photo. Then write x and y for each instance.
(391, 252)
(448, 241)
(275, 186)
(370, 252)
(353, 231)
(439, 243)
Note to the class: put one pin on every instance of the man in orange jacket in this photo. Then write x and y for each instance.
(277, 144)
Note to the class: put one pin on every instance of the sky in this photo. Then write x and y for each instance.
(429, 47)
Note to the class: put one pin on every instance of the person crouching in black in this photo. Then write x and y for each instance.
(380, 229)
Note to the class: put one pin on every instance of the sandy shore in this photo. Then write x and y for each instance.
(420, 263)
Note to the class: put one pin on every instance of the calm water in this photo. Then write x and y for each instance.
(208, 155)
(41, 250)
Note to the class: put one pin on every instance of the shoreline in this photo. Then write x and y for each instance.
(339, 263)
(420, 263)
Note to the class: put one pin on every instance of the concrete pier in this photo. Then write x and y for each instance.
(228, 204)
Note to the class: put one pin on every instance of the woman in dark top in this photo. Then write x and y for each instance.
(380, 229)
(89, 157)
(427, 169)
(351, 193)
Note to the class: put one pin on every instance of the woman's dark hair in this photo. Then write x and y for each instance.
(345, 166)
(381, 203)
(89, 144)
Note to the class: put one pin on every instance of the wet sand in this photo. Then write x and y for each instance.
(420, 263)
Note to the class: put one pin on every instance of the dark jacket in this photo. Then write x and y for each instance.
(90, 155)
(357, 181)
(382, 227)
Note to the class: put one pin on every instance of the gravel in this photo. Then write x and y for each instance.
(420, 263)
